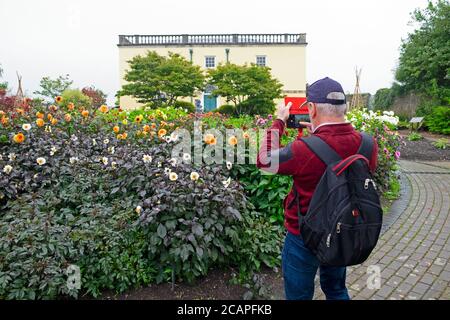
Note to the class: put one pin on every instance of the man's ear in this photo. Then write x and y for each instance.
(312, 110)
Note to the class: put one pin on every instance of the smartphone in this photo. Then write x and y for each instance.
(294, 120)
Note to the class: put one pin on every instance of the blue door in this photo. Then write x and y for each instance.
(210, 102)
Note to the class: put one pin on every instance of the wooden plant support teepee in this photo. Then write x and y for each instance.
(18, 102)
(357, 98)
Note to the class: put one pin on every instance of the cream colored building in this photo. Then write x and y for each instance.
(285, 54)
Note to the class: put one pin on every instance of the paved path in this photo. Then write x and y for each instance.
(413, 253)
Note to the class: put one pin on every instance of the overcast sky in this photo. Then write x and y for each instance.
(53, 37)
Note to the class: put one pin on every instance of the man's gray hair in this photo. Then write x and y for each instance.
(331, 110)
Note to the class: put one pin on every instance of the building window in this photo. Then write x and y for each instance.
(261, 61)
(210, 61)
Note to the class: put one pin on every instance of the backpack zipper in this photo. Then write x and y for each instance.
(366, 184)
(338, 230)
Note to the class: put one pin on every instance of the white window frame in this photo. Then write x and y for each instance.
(209, 65)
(265, 60)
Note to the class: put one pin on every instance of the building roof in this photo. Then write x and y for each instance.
(212, 39)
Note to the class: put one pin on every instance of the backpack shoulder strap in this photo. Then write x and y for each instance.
(321, 149)
(366, 147)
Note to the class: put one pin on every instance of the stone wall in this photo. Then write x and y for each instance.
(406, 106)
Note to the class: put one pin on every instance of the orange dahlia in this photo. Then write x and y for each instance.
(5, 120)
(71, 106)
(208, 137)
(40, 122)
(146, 128)
(162, 132)
(85, 113)
(39, 115)
(67, 117)
(103, 109)
(19, 138)
(233, 141)
(213, 141)
(116, 129)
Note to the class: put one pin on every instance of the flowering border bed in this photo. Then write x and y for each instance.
(98, 194)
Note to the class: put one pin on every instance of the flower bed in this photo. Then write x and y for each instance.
(99, 189)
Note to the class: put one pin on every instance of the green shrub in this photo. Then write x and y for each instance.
(166, 114)
(122, 221)
(76, 97)
(426, 106)
(439, 120)
(180, 104)
(402, 124)
(394, 189)
(441, 143)
(266, 192)
(415, 136)
(380, 125)
(256, 106)
(95, 236)
(384, 98)
(227, 109)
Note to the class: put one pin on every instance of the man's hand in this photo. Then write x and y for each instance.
(307, 125)
(283, 111)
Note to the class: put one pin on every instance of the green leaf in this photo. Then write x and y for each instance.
(197, 230)
(161, 231)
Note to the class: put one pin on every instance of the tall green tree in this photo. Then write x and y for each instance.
(51, 88)
(156, 79)
(251, 89)
(383, 99)
(424, 64)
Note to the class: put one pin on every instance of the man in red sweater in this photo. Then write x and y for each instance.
(327, 107)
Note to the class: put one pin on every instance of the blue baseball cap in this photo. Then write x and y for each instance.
(326, 90)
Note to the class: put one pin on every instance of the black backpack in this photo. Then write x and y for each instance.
(344, 217)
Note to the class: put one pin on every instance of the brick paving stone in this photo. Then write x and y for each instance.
(432, 294)
(446, 294)
(396, 265)
(394, 281)
(385, 291)
(428, 279)
(420, 289)
(435, 270)
(386, 273)
(404, 287)
(436, 248)
(412, 279)
(445, 276)
(431, 254)
(364, 294)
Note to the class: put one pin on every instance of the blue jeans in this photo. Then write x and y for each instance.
(299, 270)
